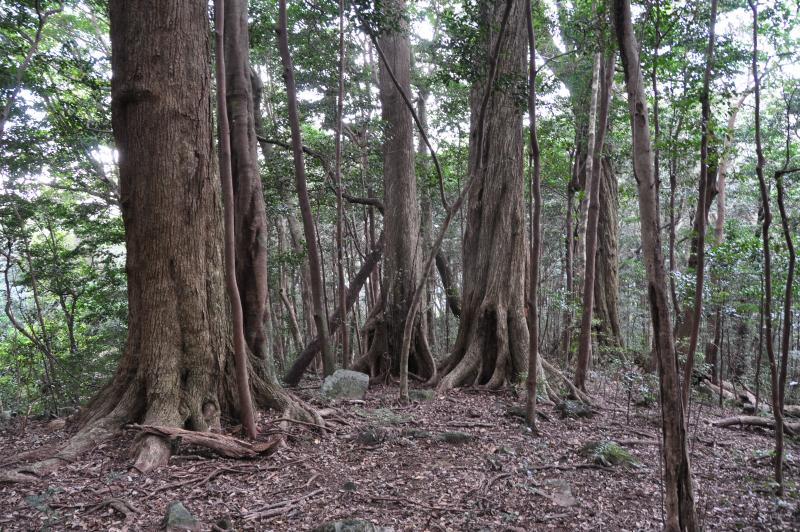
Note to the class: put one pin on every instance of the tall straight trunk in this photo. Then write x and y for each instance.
(173, 367)
(249, 210)
(426, 209)
(605, 76)
(569, 278)
(702, 199)
(677, 475)
(345, 333)
(536, 229)
(237, 315)
(493, 341)
(606, 283)
(403, 257)
(712, 349)
(767, 220)
(315, 270)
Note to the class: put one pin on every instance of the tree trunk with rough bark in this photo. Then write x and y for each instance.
(251, 227)
(403, 255)
(173, 367)
(606, 284)
(492, 344)
(679, 500)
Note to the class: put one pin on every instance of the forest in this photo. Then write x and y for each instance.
(382, 265)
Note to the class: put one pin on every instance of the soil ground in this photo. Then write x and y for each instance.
(456, 461)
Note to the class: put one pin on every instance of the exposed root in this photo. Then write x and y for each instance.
(578, 394)
(490, 350)
(755, 421)
(221, 444)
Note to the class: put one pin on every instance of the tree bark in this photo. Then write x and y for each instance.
(536, 230)
(492, 344)
(606, 283)
(403, 256)
(702, 199)
(677, 475)
(605, 77)
(345, 333)
(172, 370)
(315, 270)
(247, 414)
(777, 411)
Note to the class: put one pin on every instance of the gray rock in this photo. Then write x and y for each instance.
(574, 409)
(421, 395)
(345, 384)
(372, 436)
(351, 525)
(179, 518)
(455, 438)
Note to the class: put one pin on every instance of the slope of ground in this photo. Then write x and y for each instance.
(448, 462)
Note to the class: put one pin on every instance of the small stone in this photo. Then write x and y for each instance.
(371, 436)
(179, 518)
(456, 438)
(574, 409)
(345, 384)
(562, 493)
(421, 395)
(225, 523)
(351, 525)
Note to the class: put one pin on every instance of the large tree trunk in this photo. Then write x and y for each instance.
(606, 285)
(403, 256)
(492, 343)
(679, 498)
(171, 372)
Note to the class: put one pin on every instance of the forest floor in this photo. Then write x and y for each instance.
(456, 461)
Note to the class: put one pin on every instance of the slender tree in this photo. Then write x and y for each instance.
(679, 498)
(536, 229)
(605, 76)
(702, 200)
(777, 411)
(315, 269)
(239, 343)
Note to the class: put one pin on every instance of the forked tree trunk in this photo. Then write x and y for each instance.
(403, 256)
(492, 344)
(172, 370)
(677, 475)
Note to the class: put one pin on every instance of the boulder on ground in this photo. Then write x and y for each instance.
(351, 525)
(345, 384)
(179, 518)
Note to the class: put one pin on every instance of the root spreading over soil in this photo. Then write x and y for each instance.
(457, 461)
